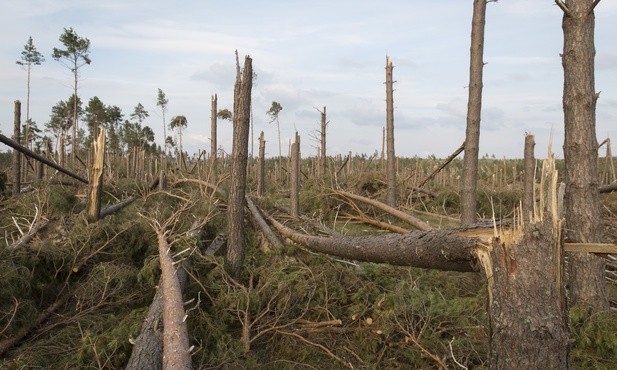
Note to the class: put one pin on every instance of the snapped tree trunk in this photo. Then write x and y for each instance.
(524, 270)
(324, 162)
(148, 348)
(529, 178)
(582, 202)
(261, 168)
(391, 165)
(469, 182)
(96, 182)
(294, 178)
(239, 158)
(213, 143)
(16, 153)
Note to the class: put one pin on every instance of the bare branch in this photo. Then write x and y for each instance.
(563, 7)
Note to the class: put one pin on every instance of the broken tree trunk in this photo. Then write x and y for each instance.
(16, 154)
(435, 249)
(261, 224)
(15, 145)
(261, 167)
(529, 178)
(418, 224)
(96, 181)
(527, 306)
(391, 165)
(443, 165)
(176, 352)
(294, 178)
(213, 144)
(239, 158)
(148, 348)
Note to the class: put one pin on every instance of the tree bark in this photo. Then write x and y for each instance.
(294, 178)
(260, 223)
(469, 181)
(148, 349)
(436, 249)
(16, 153)
(324, 162)
(15, 145)
(176, 353)
(96, 182)
(529, 178)
(582, 203)
(261, 169)
(213, 143)
(391, 165)
(239, 158)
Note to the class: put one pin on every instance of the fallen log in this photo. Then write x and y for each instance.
(116, 207)
(443, 249)
(261, 224)
(418, 224)
(148, 347)
(25, 239)
(13, 144)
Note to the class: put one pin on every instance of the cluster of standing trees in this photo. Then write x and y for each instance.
(123, 134)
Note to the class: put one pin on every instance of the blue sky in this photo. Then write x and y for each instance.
(309, 55)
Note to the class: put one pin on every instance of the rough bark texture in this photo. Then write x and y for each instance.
(239, 158)
(582, 203)
(469, 181)
(16, 153)
(294, 178)
(148, 348)
(96, 181)
(324, 161)
(527, 313)
(18, 147)
(437, 249)
(176, 354)
(529, 179)
(260, 224)
(391, 165)
(213, 143)
(261, 168)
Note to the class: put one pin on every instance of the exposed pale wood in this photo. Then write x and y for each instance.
(591, 247)
(96, 183)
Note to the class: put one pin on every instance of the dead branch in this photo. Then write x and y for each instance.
(420, 225)
(116, 207)
(443, 165)
(25, 239)
(321, 347)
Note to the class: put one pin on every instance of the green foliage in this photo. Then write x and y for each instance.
(61, 200)
(595, 339)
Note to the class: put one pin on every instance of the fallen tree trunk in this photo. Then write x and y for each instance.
(443, 165)
(436, 249)
(176, 353)
(261, 224)
(116, 207)
(418, 224)
(148, 347)
(29, 235)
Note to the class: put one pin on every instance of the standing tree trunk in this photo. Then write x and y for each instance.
(96, 181)
(294, 178)
(213, 143)
(261, 169)
(469, 181)
(582, 203)
(322, 132)
(524, 270)
(16, 153)
(529, 178)
(239, 159)
(391, 166)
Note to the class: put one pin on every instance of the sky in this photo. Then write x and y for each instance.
(313, 54)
